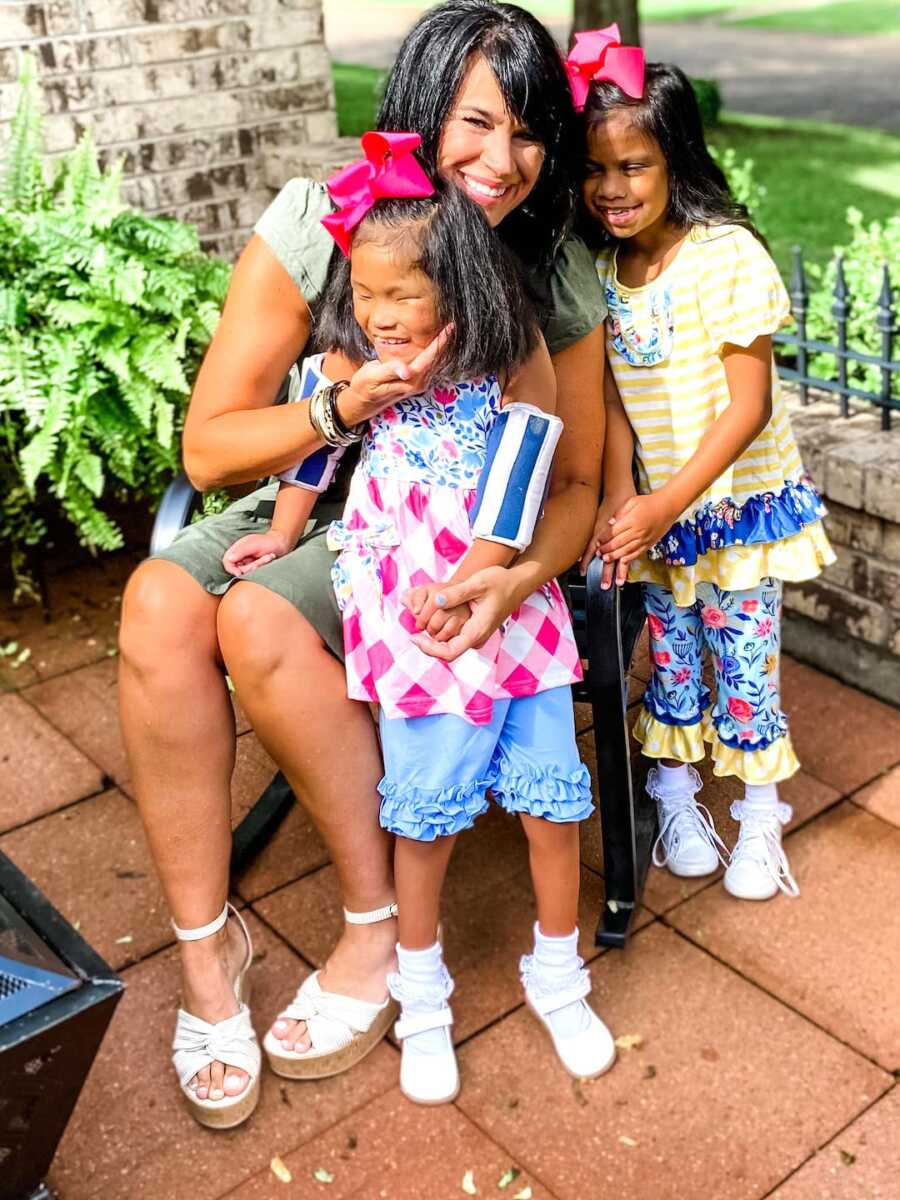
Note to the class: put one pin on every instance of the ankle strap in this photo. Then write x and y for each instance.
(195, 935)
(369, 918)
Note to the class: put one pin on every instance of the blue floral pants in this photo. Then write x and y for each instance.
(745, 726)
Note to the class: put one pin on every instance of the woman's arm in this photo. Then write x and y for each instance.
(233, 434)
(643, 520)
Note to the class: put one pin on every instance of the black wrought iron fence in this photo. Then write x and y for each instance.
(794, 362)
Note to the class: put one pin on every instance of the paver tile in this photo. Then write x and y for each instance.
(398, 1150)
(92, 862)
(882, 797)
(41, 771)
(729, 1091)
(861, 1163)
(834, 953)
(294, 849)
(131, 1135)
(82, 705)
(841, 735)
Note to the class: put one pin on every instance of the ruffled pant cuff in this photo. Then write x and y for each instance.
(425, 814)
(685, 743)
(552, 795)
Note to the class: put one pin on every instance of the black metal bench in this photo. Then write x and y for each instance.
(607, 627)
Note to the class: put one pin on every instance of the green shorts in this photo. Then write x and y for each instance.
(302, 577)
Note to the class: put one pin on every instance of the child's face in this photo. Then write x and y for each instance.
(626, 187)
(393, 302)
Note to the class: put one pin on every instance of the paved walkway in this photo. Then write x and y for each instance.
(764, 1040)
(843, 79)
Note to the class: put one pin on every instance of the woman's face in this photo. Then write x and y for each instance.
(491, 156)
(626, 187)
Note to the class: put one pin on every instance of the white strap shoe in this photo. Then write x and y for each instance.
(342, 1029)
(759, 867)
(199, 1043)
(587, 1053)
(687, 842)
(428, 1070)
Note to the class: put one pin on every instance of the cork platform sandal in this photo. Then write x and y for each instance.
(198, 1043)
(342, 1030)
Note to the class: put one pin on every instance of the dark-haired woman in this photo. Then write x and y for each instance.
(725, 511)
(484, 86)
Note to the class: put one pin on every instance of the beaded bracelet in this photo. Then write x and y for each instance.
(327, 421)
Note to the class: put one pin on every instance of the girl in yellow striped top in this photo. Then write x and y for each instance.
(723, 511)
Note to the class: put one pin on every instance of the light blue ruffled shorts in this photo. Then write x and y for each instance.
(437, 769)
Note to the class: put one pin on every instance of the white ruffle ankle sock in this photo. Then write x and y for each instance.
(557, 967)
(424, 988)
(761, 796)
(673, 779)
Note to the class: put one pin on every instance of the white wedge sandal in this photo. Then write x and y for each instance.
(198, 1043)
(342, 1030)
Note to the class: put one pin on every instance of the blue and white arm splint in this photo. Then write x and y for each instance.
(516, 472)
(316, 471)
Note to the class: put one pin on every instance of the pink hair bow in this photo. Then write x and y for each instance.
(388, 169)
(599, 55)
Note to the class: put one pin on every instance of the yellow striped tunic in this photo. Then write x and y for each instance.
(762, 516)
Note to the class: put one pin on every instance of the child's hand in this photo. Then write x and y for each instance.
(603, 531)
(440, 623)
(638, 525)
(253, 551)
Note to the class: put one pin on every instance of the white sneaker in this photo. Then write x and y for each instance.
(428, 1070)
(687, 842)
(759, 867)
(589, 1049)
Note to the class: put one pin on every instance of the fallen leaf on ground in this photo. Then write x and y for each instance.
(847, 1158)
(508, 1177)
(627, 1141)
(612, 906)
(279, 1169)
(468, 1184)
(125, 941)
(524, 1194)
(650, 1071)
(320, 1175)
(9, 648)
(630, 1041)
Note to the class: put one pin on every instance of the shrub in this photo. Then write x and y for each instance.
(743, 183)
(709, 99)
(864, 257)
(104, 315)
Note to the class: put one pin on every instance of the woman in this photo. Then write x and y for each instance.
(484, 86)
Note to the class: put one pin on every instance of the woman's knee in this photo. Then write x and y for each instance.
(259, 630)
(166, 617)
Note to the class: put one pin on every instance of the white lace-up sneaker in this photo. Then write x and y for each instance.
(759, 867)
(687, 842)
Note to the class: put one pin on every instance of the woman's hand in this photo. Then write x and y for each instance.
(603, 528)
(255, 550)
(376, 385)
(435, 619)
(638, 525)
(492, 594)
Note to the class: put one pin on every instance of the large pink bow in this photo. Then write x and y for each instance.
(389, 169)
(599, 55)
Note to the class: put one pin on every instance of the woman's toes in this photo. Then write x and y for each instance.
(216, 1081)
(281, 1029)
(235, 1082)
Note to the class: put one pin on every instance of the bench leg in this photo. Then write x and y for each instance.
(615, 619)
(260, 823)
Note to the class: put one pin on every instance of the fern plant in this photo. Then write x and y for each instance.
(104, 316)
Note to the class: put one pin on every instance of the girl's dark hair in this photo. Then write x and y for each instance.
(425, 81)
(477, 283)
(669, 114)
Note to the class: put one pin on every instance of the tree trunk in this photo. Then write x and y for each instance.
(597, 14)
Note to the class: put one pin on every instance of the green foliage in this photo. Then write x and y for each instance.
(104, 315)
(741, 179)
(864, 257)
(709, 99)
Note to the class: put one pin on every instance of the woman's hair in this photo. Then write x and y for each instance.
(425, 81)
(477, 284)
(669, 114)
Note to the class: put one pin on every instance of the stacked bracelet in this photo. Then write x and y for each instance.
(327, 421)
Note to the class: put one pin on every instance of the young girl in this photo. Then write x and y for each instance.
(724, 511)
(449, 481)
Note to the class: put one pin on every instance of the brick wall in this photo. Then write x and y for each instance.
(192, 92)
(848, 621)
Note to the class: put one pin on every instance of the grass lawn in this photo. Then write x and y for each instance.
(812, 171)
(842, 16)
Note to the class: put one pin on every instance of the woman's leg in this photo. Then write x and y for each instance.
(178, 727)
(295, 694)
